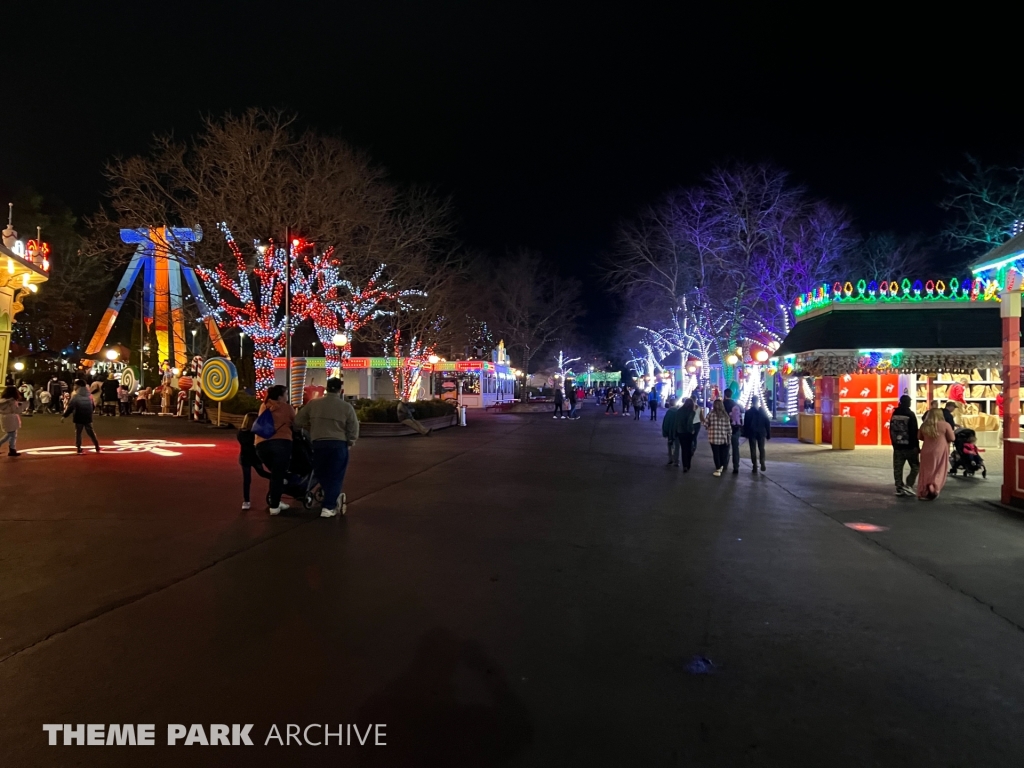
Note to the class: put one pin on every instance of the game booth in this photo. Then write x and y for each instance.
(854, 351)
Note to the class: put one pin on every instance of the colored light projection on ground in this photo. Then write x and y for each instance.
(866, 527)
(158, 256)
(157, 447)
(888, 292)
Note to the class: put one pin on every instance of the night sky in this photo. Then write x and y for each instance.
(546, 126)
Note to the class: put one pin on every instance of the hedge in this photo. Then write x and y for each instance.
(371, 411)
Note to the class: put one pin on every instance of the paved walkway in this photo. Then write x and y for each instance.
(520, 592)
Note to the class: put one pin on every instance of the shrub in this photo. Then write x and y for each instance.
(386, 411)
(239, 405)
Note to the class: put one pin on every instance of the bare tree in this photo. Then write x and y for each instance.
(532, 307)
(986, 206)
(885, 256)
(717, 263)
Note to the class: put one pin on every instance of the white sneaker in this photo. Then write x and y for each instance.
(328, 512)
(717, 473)
(245, 505)
(279, 510)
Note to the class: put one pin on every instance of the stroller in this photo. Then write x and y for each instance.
(962, 457)
(300, 483)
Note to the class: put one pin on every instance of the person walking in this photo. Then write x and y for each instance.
(248, 459)
(572, 395)
(28, 394)
(626, 400)
(936, 436)
(905, 446)
(668, 431)
(276, 451)
(55, 390)
(757, 428)
(44, 401)
(11, 407)
(609, 400)
(108, 392)
(687, 426)
(719, 429)
(559, 399)
(333, 428)
(80, 408)
(947, 413)
(638, 403)
(736, 420)
(652, 404)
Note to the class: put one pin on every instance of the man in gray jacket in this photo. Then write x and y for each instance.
(333, 428)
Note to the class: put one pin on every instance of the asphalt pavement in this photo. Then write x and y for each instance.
(523, 591)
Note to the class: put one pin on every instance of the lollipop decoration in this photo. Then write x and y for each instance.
(130, 379)
(219, 381)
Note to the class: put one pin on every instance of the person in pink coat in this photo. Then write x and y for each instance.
(936, 436)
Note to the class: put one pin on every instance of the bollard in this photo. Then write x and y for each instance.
(462, 415)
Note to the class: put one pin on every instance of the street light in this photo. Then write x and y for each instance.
(112, 355)
(241, 344)
(433, 359)
(19, 366)
(194, 332)
(732, 359)
(340, 340)
(761, 355)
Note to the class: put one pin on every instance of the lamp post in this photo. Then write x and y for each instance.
(241, 345)
(340, 342)
(194, 332)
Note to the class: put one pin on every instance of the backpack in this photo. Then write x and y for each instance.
(899, 431)
(264, 425)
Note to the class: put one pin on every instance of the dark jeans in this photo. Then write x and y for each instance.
(636, 412)
(901, 456)
(275, 455)
(654, 412)
(756, 447)
(572, 409)
(558, 409)
(247, 477)
(330, 460)
(687, 444)
(673, 450)
(611, 407)
(736, 448)
(88, 430)
(721, 455)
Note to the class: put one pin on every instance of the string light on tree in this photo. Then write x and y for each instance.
(252, 301)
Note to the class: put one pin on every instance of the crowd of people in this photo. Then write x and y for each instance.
(725, 424)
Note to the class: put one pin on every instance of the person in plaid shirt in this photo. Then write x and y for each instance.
(719, 428)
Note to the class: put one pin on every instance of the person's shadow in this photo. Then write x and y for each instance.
(452, 707)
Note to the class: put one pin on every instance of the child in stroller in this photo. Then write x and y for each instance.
(966, 455)
(300, 483)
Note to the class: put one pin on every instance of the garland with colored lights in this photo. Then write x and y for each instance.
(891, 291)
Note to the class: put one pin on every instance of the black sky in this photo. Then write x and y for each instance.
(546, 123)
